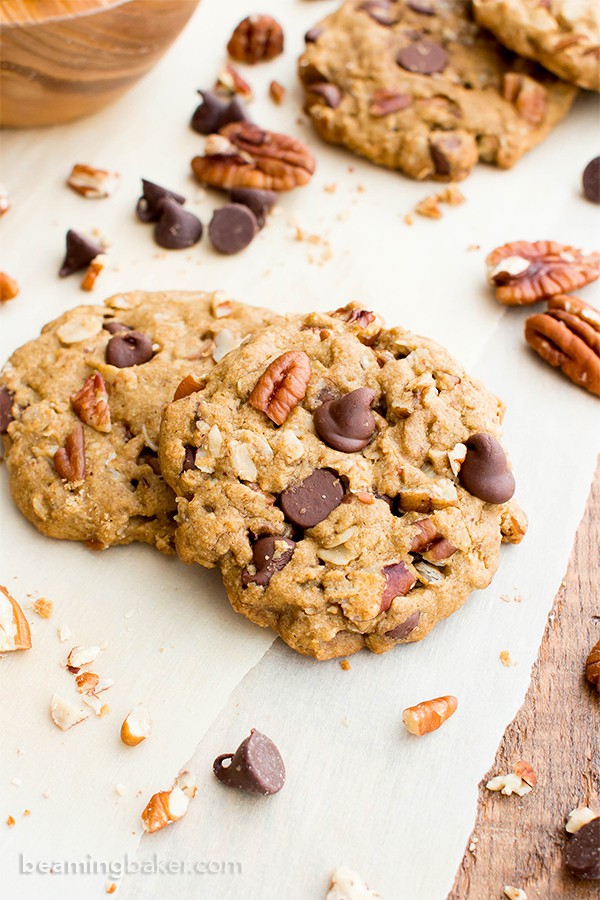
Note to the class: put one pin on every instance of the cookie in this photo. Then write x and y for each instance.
(346, 478)
(417, 86)
(80, 410)
(561, 35)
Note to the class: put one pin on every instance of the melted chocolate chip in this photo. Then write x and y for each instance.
(259, 202)
(256, 766)
(149, 205)
(485, 472)
(308, 503)
(583, 851)
(79, 253)
(129, 348)
(591, 180)
(113, 327)
(232, 228)
(398, 582)
(6, 402)
(330, 93)
(424, 9)
(189, 460)
(176, 228)
(270, 554)
(346, 424)
(424, 57)
(402, 631)
(380, 11)
(312, 35)
(214, 113)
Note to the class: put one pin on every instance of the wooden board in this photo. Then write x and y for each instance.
(520, 841)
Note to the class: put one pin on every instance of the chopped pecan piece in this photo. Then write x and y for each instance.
(524, 273)
(528, 96)
(513, 523)
(91, 182)
(230, 81)
(188, 385)
(9, 288)
(69, 461)
(256, 39)
(277, 92)
(568, 340)
(282, 386)
(253, 158)
(91, 403)
(385, 102)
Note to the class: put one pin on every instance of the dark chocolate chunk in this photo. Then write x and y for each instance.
(176, 228)
(149, 205)
(256, 766)
(330, 93)
(113, 326)
(214, 112)
(79, 253)
(591, 180)
(424, 57)
(441, 147)
(381, 11)
(260, 202)
(308, 503)
(312, 35)
(232, 228)
(402, 631)
(346, 424)
(6, 402)
(150, 458)
(485, 472)
(398, 582)
(583, 851)
(189, 460)
(268, 559)
(421, 7)
(129, 348)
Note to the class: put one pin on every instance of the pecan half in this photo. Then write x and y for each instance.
(282, 386)
(568, 341)
(528, 96)
(254, 158)
(91, 403)
(524, 273)
(592, 665)
(69, 461)
(384, 102)
(256, 39)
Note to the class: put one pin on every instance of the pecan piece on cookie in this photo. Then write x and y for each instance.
(69, 461)
(91, 403)
(567, 336)
(282, 386)
(524, 272)
(248, 156)
(528, 96)
(256, 39)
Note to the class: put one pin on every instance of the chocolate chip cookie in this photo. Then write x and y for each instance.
(80, 410)
(347, 479)
(562, 35)
(415, 85)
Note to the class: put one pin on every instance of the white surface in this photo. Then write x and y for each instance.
(360, 791)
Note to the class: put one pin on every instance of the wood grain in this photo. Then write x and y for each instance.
(521, 841)
(63, 60)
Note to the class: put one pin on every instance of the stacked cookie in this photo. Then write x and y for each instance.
(346, 478)
(418, 85)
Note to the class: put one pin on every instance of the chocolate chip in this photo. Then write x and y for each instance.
(312, 35)
(176, 228)
(79, 254)
(441, 147)
(150, 458)
(330, 93)
(591, 180)
(189, 460)
(113, 326)
(380, 11)
(398, 582)
(232, 228)
(260, 202)
(308, 503)
(583, 851)
(214, 112)
(485, 472)
(402, 631)
(256, 766)
(424, 57)
(346, 424)
(149, 205)
(128, 348)
(6, 402)
(268, 559)
(424, 9)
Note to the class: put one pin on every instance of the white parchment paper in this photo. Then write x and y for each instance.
(359, 789)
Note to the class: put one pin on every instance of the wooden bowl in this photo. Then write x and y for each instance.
(64, 59)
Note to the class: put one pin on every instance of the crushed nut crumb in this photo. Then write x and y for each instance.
(43, 607)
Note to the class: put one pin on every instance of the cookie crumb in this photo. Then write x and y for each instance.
(514, 893)
(26, 812)
(9, 288)
(408, 219)
(277, 92)
(505, 658)
(345, 665)
(11, 822)
(429, 208)
(330, 188)
(43, 607)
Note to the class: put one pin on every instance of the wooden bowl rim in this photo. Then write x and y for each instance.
(12, 11)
